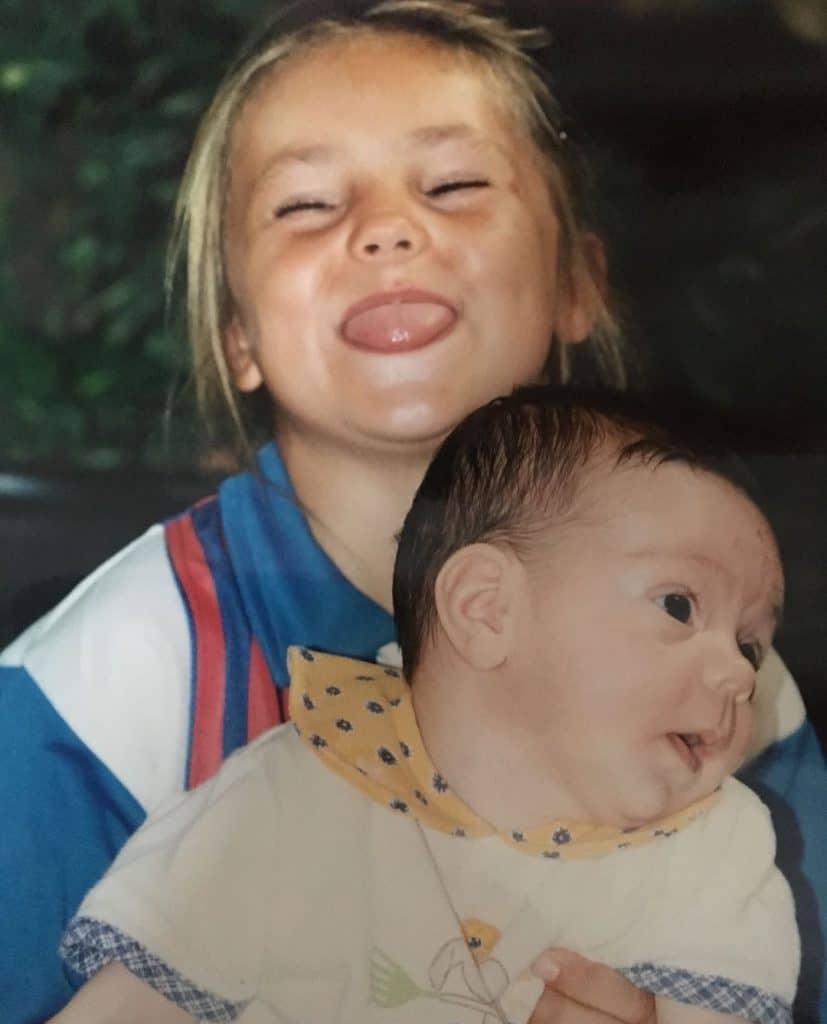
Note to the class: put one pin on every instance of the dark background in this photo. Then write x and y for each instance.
(707, 125)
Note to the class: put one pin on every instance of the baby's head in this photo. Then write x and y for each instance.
(602, 595)
(427, 120)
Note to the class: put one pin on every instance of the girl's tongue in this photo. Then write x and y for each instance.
(398, 326)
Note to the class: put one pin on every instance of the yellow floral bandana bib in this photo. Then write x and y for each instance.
(358, 718)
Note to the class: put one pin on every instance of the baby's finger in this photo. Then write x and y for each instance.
(554, 1008)
(600, 991)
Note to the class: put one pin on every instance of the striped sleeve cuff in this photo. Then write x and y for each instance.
(712, 991)
(89, 945)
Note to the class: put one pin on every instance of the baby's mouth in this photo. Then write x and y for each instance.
(688, 746)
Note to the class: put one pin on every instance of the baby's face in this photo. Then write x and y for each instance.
(391, 243)
(649, 616)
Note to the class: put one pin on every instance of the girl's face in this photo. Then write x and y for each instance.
(391, 246)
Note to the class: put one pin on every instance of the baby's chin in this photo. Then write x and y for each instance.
(651, 804)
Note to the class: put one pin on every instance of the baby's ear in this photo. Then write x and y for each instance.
(240, 358)
(476, 596)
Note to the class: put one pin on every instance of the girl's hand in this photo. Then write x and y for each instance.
(579, 991)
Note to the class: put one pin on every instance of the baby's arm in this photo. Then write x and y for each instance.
(115, 996)
(723, 934)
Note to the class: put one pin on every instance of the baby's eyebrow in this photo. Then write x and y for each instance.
(705, 561)
(776, 604)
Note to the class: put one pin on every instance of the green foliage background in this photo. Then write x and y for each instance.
(99, 101)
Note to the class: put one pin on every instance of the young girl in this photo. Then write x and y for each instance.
(384, 228)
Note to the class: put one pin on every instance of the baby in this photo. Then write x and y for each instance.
(582, 603)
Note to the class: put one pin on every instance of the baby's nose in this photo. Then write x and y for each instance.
(725, 669)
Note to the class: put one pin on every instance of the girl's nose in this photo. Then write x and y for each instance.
(387, 237)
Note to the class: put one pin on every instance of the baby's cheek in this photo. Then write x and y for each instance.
(743, 732)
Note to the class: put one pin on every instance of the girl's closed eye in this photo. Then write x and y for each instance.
(456, 185)
(677, 605)
(301, 206)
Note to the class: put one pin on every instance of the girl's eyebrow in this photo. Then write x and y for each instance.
(433, 135)
(427, 137)
(320, 153)
(317, 153)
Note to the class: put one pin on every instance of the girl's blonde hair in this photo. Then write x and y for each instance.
(462, 25)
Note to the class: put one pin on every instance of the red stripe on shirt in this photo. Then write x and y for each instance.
(190, 564)
(263, 706)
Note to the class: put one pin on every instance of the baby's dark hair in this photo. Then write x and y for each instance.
(515, 467)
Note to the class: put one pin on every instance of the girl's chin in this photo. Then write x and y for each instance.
(407, 423)
(420, 439)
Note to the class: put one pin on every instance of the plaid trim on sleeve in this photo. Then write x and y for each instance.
(711, 991)
(89, 945)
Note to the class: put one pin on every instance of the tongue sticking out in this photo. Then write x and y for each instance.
(398, 326)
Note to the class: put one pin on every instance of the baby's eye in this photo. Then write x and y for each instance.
(456, 186)
(752, 652)
(678, 606)
(300, 205)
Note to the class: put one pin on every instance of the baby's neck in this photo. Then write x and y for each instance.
(488, 768)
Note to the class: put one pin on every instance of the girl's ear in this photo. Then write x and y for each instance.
(240, 359)
(581, 302)
(477, 600)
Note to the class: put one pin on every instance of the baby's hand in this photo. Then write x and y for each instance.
(579, 991)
